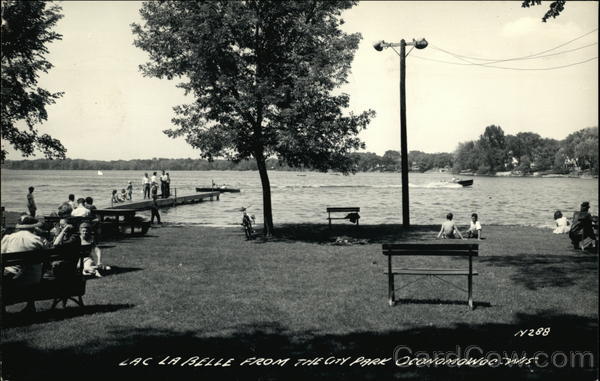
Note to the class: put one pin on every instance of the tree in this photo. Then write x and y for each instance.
(556, 7)
(262, 74)
(391, 161)
(493, 147)
(26, 31)
(582, 148)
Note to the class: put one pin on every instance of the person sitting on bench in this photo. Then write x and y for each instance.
(449, 228)
(26, 238)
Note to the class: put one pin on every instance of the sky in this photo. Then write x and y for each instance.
(110, 111)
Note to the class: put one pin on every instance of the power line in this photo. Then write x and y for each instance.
(524, 58)
(504, 67)
(513, 58)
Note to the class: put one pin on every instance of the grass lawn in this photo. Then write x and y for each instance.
(186, 291)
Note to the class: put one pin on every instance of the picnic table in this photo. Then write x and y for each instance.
(120, 218)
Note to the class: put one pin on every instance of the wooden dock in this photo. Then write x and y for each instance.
(167, 202)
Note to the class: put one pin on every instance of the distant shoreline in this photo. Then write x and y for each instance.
(586, 176)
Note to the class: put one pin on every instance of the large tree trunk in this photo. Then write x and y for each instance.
(266, 188)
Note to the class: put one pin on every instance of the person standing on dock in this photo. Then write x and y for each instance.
(154, 206)
(146, 186)
(168, 185)
(31, 202)
(129, 190)
(163, 185)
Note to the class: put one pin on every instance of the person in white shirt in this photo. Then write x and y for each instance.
(80, 210)
(562, 224)
(146, 186)
(475, 227)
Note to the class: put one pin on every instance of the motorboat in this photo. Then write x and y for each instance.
(221, 189)
(464, 183)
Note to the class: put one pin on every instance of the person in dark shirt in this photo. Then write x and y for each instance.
(582, 229)
(65, 235)
(154, 206)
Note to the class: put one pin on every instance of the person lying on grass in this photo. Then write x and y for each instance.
(449, 228)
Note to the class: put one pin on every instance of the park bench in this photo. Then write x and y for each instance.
(430, 249)
(68, 284)
(352, 209)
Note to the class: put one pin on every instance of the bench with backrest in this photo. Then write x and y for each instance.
(348, 209)
(430, 249)
(66, 282)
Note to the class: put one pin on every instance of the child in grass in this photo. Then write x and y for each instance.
(562, 224)
(449, 228)
(475, 227)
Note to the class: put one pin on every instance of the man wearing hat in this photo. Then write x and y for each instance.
(24, 239)
(582, 231)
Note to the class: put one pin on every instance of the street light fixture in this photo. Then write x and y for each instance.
(379, 46)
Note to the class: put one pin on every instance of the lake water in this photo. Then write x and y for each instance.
(303, 197)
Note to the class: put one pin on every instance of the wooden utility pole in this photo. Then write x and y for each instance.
(403, 145)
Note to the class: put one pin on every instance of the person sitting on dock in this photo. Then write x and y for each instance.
(115, 197)
(81, 210)
(123, 195)
(449, 228)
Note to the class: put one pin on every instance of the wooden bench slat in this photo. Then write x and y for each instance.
(343, 209)
(448, 253)
(431, 271)
(428, 246)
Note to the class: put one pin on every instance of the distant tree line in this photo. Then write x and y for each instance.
(154, 164)
(528, 152)
(523, 153)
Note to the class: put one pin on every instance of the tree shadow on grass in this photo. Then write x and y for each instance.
(322, 234)
(121, 345)
(537, 271)
(47, 315)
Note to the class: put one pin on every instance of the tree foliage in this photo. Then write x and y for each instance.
(556, 7)
(528, 152)
(263, 75)
(26, 32)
